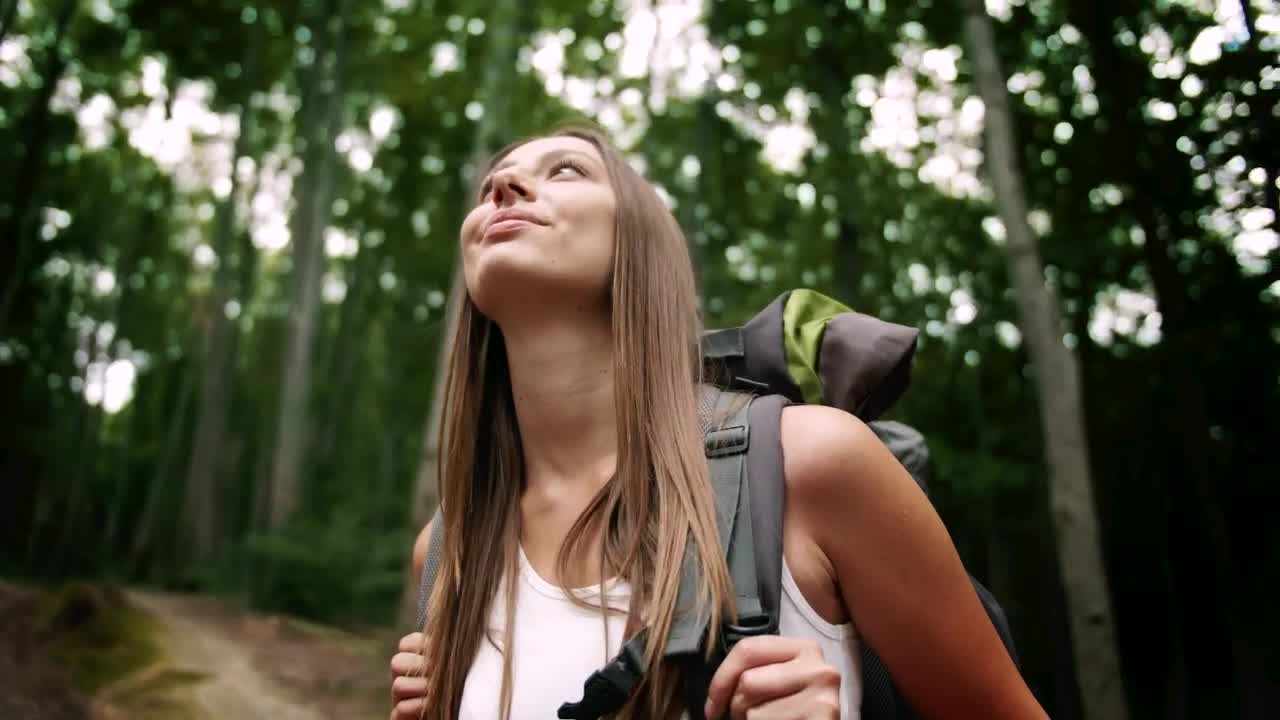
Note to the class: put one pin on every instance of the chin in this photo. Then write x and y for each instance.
(506, 285)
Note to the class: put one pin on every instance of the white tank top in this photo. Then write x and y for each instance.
(558, 644)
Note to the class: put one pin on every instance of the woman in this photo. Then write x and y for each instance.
(573, 471)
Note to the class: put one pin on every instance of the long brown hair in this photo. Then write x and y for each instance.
(658, 505)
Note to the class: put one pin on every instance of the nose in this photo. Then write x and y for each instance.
(510, 185)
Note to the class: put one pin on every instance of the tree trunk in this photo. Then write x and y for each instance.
(201, 507)
(508, 20)
(321, 112)
(1207, 555)
(119, 475)
(79, 473)
(345, 356)
(1058, 383)
(849, 255)
(142, 560)
(17, 246)
(1204, 569)
(249, 477)
(90, 442)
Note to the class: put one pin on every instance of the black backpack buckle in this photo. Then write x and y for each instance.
(606, 690)
(753, 625)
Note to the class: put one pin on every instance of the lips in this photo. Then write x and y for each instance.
(506, 227)
(508, 222)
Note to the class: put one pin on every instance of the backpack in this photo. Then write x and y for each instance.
(803, 348)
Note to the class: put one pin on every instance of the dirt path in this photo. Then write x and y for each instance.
(242, 666)
(89, 652)
(234, 687)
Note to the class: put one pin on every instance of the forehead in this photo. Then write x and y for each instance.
(532, 152)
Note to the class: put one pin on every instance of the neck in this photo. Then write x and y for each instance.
(562, 383)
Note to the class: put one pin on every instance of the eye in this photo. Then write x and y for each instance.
(570, 165)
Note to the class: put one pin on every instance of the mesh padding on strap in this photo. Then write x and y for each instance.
(430, 567)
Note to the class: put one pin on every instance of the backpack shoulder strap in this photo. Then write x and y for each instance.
(754, 545)
(767, 487)
(727, 444)
(726, 424)
(430, 567)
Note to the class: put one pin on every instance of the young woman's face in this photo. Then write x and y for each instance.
(544, 228)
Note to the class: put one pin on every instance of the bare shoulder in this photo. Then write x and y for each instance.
(893, 568)
(830, 453)
(841, 484)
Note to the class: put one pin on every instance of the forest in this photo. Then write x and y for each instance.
(228, 235)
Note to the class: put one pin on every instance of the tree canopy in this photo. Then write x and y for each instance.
(228, 232)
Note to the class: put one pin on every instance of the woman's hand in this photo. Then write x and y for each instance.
(408, 679)
(769, 677)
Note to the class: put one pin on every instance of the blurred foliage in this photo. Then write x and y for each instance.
(154, 164)
(334, 568)
(95, 634)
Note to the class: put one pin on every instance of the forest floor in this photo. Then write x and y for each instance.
(142, 655)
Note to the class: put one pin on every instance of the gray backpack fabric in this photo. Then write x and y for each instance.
(802, 348)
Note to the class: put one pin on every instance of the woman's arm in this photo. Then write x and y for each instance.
(896, 569)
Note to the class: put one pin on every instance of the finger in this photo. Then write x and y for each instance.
(408, 709)
(823, 705)
(411, 642)
(764, 683)
(749, 653)
(406, 663)
(805, 675)
(407, 688)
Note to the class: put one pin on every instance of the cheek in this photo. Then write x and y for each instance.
(594, 237)
(470, 225)
(599, 221)
(469, 235)
(609, 233)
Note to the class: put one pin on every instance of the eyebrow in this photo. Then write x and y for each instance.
(546, 157)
